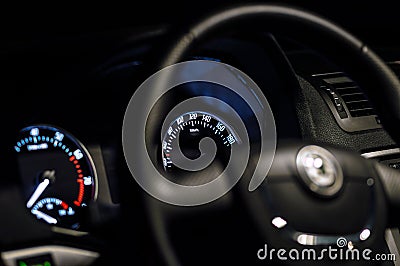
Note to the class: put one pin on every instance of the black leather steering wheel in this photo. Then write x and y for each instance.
(312, 214)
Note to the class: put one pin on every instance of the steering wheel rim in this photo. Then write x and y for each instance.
(382, 86)
(356, 58)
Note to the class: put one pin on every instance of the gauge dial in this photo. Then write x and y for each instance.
(57, 174)
(51, 210)
(194, 142)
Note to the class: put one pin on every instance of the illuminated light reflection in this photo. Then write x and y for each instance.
(365, 234)
(305, 239)
(278, 222)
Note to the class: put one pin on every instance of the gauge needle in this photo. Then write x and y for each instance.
(42, 215)
(38, 191)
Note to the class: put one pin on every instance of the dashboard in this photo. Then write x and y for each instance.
(67, 191)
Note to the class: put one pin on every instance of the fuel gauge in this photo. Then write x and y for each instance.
(51, 210)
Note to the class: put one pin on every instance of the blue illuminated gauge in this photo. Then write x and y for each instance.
(196, 147)
(57, 174)
(51, 210)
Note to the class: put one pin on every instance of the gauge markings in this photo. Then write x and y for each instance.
(43, 149)
(193, 127)
(53, 207)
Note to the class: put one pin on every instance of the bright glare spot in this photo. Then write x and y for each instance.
(318, 163)
(279, 222)
(304, 239)
(365, 234)
(309, 162)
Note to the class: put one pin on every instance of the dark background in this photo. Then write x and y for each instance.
(33, 21)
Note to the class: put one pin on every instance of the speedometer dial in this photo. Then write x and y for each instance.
(58, 175)
(193, 142)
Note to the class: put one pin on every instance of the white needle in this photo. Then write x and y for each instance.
(38, 191)
(42, 215)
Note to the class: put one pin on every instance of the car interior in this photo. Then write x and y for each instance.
(307, 143)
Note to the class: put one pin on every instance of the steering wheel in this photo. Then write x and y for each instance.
(314, 196)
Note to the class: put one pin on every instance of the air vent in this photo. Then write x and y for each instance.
(353, 97)
(350, 106)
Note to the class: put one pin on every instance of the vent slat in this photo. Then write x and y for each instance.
(336, 80)
(348, 90)
(344, 84)
(363, 112)
(353, 97)
(363, 100)
(349, 94)
(354, 105)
